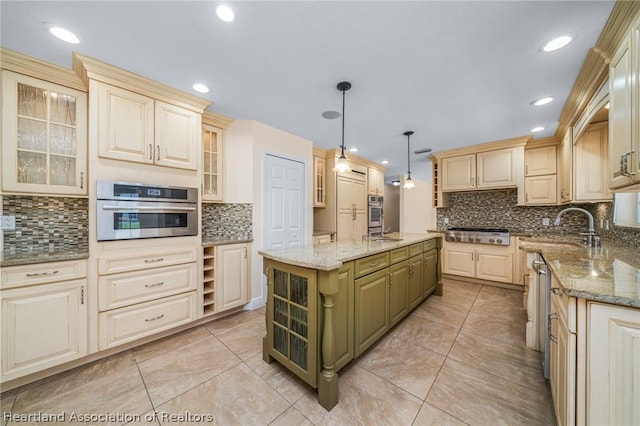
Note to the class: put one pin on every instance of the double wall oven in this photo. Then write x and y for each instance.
(135, 210)
(375, 216)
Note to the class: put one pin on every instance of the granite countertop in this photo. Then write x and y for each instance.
(608, 274)
(209, 242)
(330, 256)
(40, 256)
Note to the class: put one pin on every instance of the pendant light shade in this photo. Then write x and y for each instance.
(408, 183)
(341, 164)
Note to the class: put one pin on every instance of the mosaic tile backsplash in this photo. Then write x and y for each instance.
(498, 209)
(227, 221)
(46, 223)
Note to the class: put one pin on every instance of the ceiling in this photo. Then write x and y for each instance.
(456, 73)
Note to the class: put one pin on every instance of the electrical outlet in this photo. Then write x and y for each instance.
(446, 220)
(606, 224)
(7, 222)
(545, 221)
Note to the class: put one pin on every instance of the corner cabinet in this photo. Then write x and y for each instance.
(44, 316)
(624, 112)
(591, 164)
(44, 137)
(136, 128)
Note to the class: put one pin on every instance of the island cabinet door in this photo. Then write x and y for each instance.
(398, 291)
(415, 289)
(429, 276)
(342, 316)
(372, 309)
(291, 319)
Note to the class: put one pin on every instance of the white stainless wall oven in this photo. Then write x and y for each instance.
(375, 218)
(136, 210)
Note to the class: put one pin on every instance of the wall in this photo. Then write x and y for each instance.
(416, 212)
(46, 223)
(497, 209)
(246, 136)
(391, 208)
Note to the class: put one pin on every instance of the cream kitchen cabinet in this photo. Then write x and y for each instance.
(624, 111)
(493, 263)
(563, 356)
(137, 128)
(613, 367)
(591, 164)
(44, 137)
(351, 197)
(44, 316)
(212, 164)
(232, 276)
(484, 170)
(565, 178)
(540, 170)
(143, 292)
(375, 181)
(319, 182)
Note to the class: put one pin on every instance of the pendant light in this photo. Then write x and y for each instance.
(342, 165)
(408, 183)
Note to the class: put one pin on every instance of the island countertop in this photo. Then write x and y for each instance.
(609, 274)
(330, 256)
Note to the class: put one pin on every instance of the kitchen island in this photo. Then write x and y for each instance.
(328, 303)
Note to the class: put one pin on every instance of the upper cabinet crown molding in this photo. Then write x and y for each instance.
(491, 146)
(89, 68)
(596, 65)
(27, 65)
(216, 120)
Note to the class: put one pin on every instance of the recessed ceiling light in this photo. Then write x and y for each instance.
(557, 43)
(542, 101)
(353, 149)
(199, 87)
(384, 162)
(537, 129)
(62, 33)
(225, 13)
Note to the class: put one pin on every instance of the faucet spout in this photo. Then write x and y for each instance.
(592, 239)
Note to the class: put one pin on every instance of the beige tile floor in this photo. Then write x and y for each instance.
(456, 359)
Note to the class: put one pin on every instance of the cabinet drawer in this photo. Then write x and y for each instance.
(134, 287)
(415, 249)
(428, 245)
(369, 264)
(398, 255)
(145, 260)
(566, 307)
(131, 323)
(40, 273)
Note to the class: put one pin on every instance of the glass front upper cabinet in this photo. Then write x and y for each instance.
(212, 168)
(44, 137)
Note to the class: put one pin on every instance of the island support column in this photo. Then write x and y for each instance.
(328, 378)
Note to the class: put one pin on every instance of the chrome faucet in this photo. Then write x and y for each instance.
(592, 239)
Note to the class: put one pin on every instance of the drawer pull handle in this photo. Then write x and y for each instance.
(372, 264)
(159, 259)
(154, 285)
(41, 274)
(555, 290)
(155, 318)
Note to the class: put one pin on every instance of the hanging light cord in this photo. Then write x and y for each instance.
(408, 157)
(342, 145)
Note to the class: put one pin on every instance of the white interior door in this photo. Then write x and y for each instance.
(284, 203)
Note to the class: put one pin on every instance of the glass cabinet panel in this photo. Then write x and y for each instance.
(44, 147)
(212, 164)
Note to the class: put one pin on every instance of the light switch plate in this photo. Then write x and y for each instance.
(7, 222)
(545, 221)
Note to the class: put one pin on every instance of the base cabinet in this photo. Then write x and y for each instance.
(493, 263)
(613, 365)
(43, 317)
(232, 276)
(562, 377)
(371, 309)
(415, 289)
(42, 326)
(430, 273)
(398, 291)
